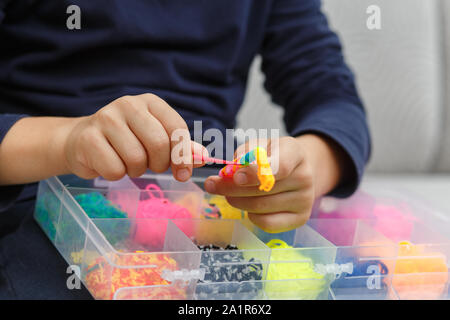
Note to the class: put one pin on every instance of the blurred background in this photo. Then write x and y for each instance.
(403, 76)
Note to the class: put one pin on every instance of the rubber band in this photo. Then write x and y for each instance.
(156, 206)
(419, 274)
(218, 207)
(99, 272)
(277, 244)
(296, 267)
(374, 271)
(224, 270)
(47, 213)
(153, 187)
(265, 175)
(258, 156)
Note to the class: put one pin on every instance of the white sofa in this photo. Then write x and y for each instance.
(403, 75)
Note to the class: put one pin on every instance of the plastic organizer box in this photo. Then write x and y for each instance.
(156, 238)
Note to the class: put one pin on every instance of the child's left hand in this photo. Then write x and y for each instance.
(309, 166)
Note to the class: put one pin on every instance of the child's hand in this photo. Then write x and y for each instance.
(128, 136)
(309, 166)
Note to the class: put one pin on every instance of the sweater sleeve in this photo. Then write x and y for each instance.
(306, 74)
(3, 5)
(8, 194)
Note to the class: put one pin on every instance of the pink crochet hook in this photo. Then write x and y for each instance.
(213, 160)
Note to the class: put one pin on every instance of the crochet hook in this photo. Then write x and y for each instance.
(213, 160)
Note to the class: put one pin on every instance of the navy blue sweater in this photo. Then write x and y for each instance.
(195, 54)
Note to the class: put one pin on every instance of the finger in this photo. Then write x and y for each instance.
(290, 201)
(181, 160)
(247, 176)
(178, 133)
(201, 152)
(282, 167)
(227, 187)
(285, 155)
(147, 129)
(279, 221)
(153, 137)
(128, 147)
(102, 158)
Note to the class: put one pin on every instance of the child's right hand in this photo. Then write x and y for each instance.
(128, 136)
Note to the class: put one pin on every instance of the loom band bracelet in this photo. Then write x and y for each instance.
(264, 172)
(230, 169)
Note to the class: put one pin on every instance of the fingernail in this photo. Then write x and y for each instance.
(183, 174)
(210, 186)
(240, 178)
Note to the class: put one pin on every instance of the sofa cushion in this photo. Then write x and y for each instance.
(444, 157)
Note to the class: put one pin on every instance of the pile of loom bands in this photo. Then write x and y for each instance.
(227, 273)
(419, 274)
(97, 206)
(192, 201)
(94, 204)
(303, 269)
(395, 220)
(360, 275)
(156, 206)
(103, 279)
(47, 213)
(218, 207)
(258, 156)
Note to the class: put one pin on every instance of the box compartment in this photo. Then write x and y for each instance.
(370, 246)
(229, 274)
